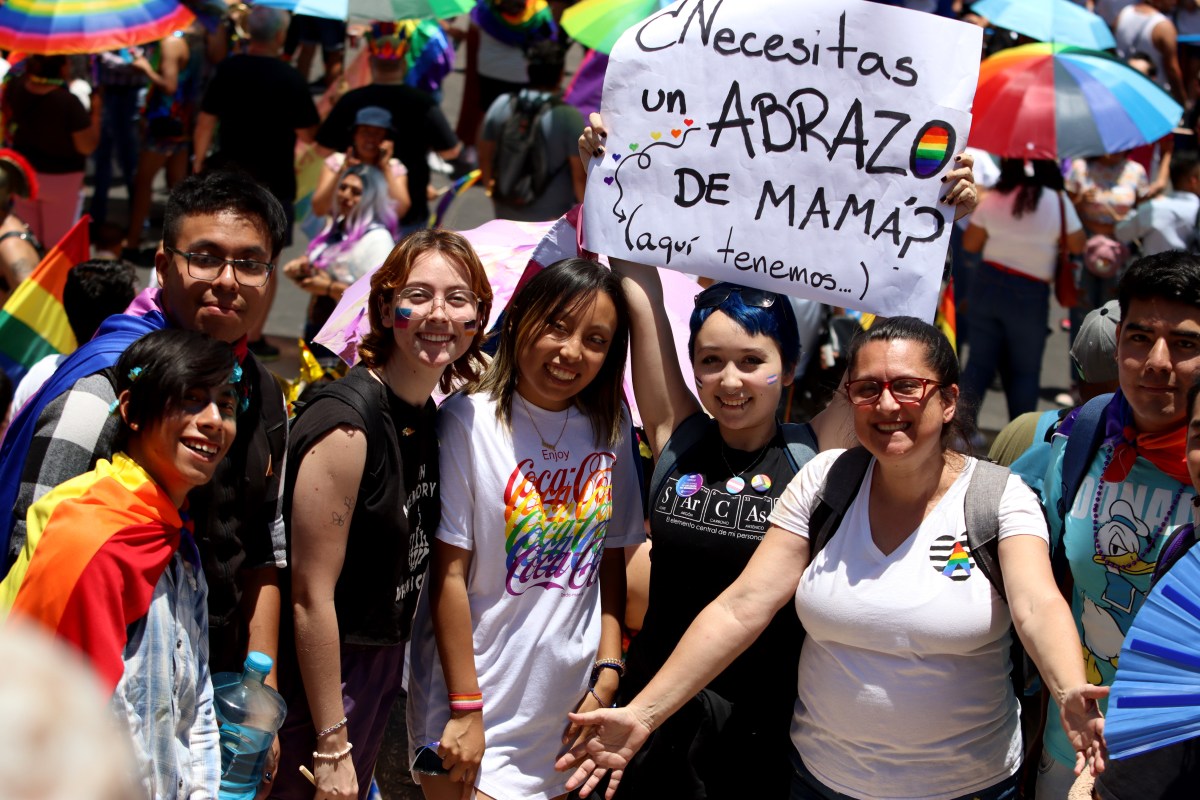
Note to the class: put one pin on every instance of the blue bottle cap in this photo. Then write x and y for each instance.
(259, 662)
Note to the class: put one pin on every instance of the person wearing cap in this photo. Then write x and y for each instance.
(1167, 222)
(371, 145)
(1024, 444)
(420, 125)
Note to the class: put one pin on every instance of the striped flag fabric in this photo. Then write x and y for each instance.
(33, 323)
(97, 545)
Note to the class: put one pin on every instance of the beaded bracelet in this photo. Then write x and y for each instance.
(472, 701)
(338, 756)
(334, 727)
(617, 664)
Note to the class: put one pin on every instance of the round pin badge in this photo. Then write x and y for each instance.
(761, 483)
(689, 484)
(735, 484)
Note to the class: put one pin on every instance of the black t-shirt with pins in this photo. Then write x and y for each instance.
(702, 542)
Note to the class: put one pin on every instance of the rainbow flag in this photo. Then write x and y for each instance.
(33, 323)
(946, 318)
(97, 546)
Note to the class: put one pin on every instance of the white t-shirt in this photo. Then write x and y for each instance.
(1028, 244)
(903, 686)
(537, 522)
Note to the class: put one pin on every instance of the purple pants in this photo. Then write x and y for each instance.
(371, 679)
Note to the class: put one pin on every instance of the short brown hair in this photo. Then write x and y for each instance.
(378, 343)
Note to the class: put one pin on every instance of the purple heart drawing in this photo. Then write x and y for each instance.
(609, 180)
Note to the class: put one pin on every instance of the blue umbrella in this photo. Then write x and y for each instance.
(328, 9)
(1058, 21)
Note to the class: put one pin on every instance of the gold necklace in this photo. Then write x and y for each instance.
(545, 444)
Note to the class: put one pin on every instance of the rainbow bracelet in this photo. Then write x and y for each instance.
(466, 702)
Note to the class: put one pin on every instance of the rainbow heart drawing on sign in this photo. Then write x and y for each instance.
(932, 150)
(633, 146)
(656, 135)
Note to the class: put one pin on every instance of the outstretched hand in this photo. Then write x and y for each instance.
(1084, 726)
(614, 736)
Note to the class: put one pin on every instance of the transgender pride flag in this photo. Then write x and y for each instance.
(33, 323)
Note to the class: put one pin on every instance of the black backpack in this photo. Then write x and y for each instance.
(521, 170)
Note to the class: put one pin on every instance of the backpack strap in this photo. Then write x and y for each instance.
(685, 436)
(1082, 443)
(801, 443)
(982, 506)
(842, 483)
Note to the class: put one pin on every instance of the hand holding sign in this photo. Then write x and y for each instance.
(807, 158)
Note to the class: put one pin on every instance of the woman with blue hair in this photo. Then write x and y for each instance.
(722, 461)
(358, 238)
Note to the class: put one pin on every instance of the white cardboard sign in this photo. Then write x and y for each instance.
(786, 145)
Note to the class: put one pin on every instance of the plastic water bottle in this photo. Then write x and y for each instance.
(249, 713)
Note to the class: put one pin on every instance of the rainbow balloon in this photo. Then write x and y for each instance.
(932, 150)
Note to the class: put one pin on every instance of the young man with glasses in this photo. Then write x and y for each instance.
(222, 233)
(1135, 490)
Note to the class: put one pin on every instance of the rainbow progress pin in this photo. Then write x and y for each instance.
(761, 483)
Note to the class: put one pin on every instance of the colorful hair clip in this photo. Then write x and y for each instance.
(236, 377)
(135, 373)
(113, 406)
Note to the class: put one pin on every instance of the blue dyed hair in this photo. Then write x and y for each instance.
(777, 321)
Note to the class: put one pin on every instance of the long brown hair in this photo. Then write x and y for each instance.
(551, 294)
(378, 343)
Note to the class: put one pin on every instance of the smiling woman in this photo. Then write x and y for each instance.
(361, 504)
(877, 615)
(110, 564)
(526, 589)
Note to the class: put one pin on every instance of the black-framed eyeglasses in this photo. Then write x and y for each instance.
(713, 296)
(905, 390)
(207, 267)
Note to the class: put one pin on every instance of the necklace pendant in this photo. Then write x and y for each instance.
(549, 446)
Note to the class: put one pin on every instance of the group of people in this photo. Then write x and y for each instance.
(718, 605)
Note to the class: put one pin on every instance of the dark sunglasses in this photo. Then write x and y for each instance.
(713, 296)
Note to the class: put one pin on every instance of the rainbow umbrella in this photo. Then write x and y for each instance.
(597, 24)
(1058, 21)
(67, 27)
(1055, 101)
(409, 9)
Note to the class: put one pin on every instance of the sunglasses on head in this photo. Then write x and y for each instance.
(714, 296)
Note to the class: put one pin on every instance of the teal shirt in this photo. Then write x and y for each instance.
(1112, 551)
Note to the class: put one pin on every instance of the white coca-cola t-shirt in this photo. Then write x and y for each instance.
(537, 521)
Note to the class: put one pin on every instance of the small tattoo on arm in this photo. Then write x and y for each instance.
(340, 519)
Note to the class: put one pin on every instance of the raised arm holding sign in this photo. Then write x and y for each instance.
(799, 148)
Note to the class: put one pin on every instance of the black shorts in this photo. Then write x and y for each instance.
(303, 29)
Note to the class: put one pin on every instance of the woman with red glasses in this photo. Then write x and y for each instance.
(903, 679)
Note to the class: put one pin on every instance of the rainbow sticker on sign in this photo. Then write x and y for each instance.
(932, 148)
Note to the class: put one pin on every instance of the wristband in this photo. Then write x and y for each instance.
(334, 727)
(616, 664)
(338, 756)
(472, 701)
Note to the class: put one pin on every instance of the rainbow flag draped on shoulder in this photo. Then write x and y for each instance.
(33, 323)
(97, 546)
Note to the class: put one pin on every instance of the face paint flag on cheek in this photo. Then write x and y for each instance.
(772, 379)
(403, 317)
(470, 324)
